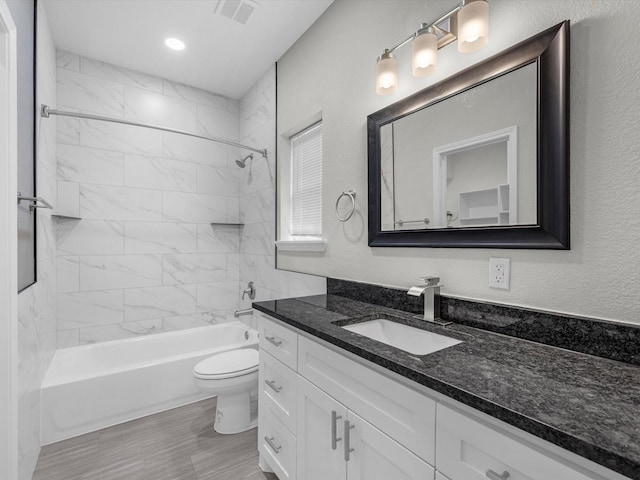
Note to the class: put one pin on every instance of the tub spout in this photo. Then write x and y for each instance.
(240, 313)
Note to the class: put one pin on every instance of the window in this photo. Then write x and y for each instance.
(306, 183)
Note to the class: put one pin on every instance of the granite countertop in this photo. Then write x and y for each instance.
(586, 404)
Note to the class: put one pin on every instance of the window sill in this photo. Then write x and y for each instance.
(302, 245)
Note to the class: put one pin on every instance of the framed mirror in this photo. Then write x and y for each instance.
(480, 159)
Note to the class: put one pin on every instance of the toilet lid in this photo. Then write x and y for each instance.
(228, 364)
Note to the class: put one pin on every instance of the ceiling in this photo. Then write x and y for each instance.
(222, 54)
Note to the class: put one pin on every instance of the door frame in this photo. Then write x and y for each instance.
(8, 247)
(507, 135)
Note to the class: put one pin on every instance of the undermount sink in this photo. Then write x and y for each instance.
(405, 337)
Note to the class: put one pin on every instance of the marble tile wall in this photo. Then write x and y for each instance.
(144, 257)
(37, 304)
(257, 202)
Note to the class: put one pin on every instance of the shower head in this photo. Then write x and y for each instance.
(243, 162)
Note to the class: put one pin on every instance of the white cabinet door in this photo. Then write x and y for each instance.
(376, 456)
(404, 414)
(320, 434)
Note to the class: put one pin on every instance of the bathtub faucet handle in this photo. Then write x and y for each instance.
(251, 290)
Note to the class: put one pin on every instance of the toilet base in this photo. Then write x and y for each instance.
(236, 413)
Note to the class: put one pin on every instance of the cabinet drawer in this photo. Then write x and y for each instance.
(470, 450)
(276, 444)
(279, 341)
(404, 414)
(278, 387)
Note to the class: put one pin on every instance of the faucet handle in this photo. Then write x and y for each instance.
(430, 281)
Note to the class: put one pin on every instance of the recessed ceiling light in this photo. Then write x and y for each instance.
(174, 44)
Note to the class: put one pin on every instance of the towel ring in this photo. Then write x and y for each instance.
(352, 195)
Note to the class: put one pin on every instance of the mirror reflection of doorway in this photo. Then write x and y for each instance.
(475, 181)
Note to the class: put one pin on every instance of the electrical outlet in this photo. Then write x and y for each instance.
(499, 272)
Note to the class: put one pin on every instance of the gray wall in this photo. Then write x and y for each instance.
(331, 70)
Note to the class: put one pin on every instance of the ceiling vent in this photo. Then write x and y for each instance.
(237, 10)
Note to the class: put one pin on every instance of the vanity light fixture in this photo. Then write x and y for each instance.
(174, 44)
(467, 22)
(386, 74)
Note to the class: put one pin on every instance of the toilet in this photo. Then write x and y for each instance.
(233, 377)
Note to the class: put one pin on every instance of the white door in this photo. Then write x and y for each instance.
(320, 434)
(376, 456)
(8, 246)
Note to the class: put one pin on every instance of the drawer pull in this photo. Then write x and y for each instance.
(273, 341)
(494, 476)
(272, 384)
(273, 446)
(334, 429)
(347, 446)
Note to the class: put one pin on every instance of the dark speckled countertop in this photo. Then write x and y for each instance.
(586, 404)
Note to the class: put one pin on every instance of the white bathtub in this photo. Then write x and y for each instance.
(95, 386)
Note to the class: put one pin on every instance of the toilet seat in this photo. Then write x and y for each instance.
(234, 363)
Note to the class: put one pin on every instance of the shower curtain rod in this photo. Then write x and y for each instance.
(45, 112)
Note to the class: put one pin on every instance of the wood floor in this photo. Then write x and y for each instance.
(179, 444)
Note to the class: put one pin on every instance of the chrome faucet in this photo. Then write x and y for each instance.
(431, 291)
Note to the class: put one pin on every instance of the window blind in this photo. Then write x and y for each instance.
(306, 182)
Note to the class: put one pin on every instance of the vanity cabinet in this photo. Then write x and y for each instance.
(401, 413)
(303, 390)
(335, 443)
(346, 420)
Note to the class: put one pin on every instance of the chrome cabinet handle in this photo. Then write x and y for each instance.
(334, 429)
(273, 446)
(347, 446)
(273, 341)
(494, 476)
(272, 384)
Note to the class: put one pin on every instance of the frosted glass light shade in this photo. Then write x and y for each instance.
(473, 26)
(424, 49)
(174, 43)
(386, 74)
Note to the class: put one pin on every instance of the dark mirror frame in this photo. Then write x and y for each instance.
(550, 49)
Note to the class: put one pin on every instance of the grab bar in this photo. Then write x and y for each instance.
(426, 221)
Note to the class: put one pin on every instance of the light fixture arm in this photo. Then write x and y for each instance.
(401, 44)
(446, 16)
(435, 24)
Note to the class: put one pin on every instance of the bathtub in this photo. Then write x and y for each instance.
(94, 386)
